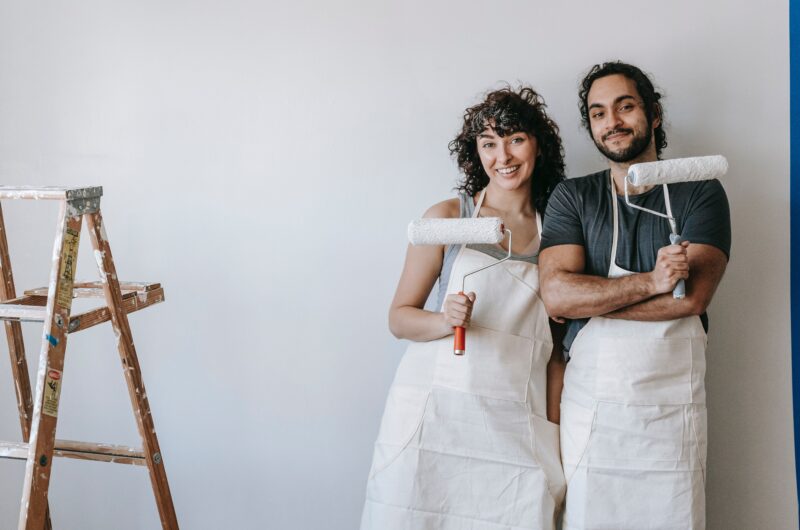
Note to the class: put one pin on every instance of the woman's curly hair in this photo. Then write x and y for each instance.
(508, 111)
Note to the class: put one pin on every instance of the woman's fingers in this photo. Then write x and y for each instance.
(458, 309)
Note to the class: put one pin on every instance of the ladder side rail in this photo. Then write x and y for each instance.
(33, 509)
(132, 370)
(16, 347)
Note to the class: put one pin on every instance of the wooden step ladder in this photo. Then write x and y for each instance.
(51, 305)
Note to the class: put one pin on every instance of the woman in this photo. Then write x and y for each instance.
(465, 442)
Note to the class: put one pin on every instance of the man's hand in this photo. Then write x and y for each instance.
(672, 264)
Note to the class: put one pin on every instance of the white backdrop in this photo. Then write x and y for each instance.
(261, 160)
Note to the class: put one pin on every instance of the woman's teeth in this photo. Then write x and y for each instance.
(507, 170)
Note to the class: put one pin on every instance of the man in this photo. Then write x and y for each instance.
(633, 416)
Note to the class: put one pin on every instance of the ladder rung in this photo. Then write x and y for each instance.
(34, 300)
(118, 454)
(131, 302)
(49, 192)
(30, 313)
(95, 289)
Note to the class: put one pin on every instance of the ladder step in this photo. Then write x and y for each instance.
(30, 308)
(118, 454)
(24, 312)
(49, 192)
(131, 302)
(95, 289)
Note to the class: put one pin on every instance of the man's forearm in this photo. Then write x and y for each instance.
(661, 307)
(575, 295)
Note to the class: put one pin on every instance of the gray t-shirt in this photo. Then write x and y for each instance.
(579, 212)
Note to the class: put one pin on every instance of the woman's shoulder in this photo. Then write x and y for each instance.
(448, 209)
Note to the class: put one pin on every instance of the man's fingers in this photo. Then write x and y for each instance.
(674, 249)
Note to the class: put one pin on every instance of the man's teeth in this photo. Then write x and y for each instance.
(507, 170)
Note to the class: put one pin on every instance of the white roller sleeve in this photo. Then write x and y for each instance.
(678, 170)
(455, 231)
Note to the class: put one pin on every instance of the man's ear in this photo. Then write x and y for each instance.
(656, 116)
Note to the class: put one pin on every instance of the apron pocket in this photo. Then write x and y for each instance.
(495, 365)
(402, 417)
(548, 454)
(644, 370)
(575, 430)
(699, 435)
(638, 437)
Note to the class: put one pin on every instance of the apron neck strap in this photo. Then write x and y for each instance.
(615, 217)
(666, 201)
(479, 203)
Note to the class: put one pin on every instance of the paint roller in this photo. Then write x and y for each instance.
(475, 231)
(667, 172)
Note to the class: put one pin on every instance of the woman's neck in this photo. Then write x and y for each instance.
(510, 202)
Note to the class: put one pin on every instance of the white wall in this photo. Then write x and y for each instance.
(262, 161)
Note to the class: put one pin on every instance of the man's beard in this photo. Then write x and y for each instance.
(638, 145)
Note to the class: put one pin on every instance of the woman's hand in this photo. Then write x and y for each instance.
(457, 309)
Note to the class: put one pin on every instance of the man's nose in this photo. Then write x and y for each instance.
(613, 120)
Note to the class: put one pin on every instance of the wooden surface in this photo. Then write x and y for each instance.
(49, 192)
(132, 371)
(131, 302)
(29, 313)
(52, 305)
(95, 289)
(31, 308)
(16, 348)
(51, 358)
(118, 454)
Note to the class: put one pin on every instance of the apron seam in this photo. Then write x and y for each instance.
(585, 446)
(404, 445)
(536, 465)
(535, 452)
(455, 516)
(696, 444)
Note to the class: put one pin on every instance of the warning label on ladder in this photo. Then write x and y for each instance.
(69, 257)
(52, 393)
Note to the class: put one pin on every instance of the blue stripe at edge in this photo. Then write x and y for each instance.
(794, 194)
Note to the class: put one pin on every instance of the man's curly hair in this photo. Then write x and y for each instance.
(507, 112)
(650, 96)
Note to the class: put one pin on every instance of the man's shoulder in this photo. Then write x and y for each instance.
(587, 184)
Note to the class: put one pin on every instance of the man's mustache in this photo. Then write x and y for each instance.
(617, 131)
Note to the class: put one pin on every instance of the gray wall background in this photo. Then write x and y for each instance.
(262, 159)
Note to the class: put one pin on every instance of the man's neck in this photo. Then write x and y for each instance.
(619, 170)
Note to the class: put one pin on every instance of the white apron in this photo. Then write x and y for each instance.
(464, 443)
(633, 422)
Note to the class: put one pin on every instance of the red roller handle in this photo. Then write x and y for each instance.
(460, 343)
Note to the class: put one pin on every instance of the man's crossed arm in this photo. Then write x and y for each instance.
(569, 293)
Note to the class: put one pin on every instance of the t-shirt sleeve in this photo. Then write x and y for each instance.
(562, 221)
(709, 218)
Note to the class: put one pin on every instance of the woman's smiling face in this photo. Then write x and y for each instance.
(507, 160)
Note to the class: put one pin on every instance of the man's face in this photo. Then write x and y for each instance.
(617, 119)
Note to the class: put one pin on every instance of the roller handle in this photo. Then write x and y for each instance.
(460, 341)
(680, 288)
